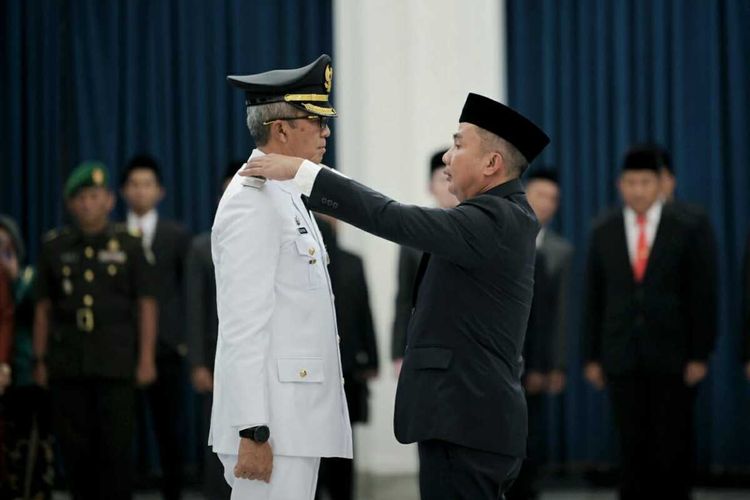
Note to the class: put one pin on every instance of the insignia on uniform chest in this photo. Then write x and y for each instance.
(116, 256)
(297, 221)
(302, 230)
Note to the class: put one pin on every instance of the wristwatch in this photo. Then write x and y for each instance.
(259, 434)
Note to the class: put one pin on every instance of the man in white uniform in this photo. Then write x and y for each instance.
(279, 401)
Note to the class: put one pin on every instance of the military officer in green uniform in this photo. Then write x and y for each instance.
(94, 336)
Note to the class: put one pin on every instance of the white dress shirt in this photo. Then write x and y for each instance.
(540, 237)
(653, 216)
(145, 224)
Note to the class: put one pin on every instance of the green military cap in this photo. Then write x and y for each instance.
(306, 88)
(87, 174)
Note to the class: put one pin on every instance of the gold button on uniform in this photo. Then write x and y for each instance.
(112, 269)
(89, 253)
(66, 271)
(88, 300)
(88, 275)
(302, 373)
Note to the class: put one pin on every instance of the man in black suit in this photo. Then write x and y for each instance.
(545, 345)
(648, 332)
(459, 394)
(202, 331)
(165, 244)
(704, 236)
(408, 263)
(359, 353)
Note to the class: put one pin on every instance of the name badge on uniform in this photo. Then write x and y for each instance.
(302, 230)
(109, 256)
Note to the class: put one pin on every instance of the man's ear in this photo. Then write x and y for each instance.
(495, 163)
(278, 129)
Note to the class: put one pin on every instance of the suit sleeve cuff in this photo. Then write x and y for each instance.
(306, 175)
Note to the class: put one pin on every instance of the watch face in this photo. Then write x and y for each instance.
(262, 434)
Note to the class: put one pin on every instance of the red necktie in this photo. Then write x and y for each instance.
(641, 250)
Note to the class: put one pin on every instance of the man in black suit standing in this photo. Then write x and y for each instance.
(359, 352)
(648, 332)
(545, 345)
(165, 244)
(459, 394)
(408, 263)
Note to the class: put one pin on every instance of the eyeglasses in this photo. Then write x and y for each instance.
(322, 120)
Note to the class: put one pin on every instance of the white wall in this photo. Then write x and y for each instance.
(402, 69)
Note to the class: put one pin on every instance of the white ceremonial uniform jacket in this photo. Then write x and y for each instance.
(277, 355)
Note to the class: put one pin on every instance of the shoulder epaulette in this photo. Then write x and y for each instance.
(53, 234)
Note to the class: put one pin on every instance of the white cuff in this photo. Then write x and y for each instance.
(306, 176)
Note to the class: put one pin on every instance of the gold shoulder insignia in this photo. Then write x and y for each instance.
(53, 234)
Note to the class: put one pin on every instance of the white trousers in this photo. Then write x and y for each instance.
(293, 478)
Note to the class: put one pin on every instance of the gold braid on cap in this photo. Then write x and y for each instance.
(306, 97)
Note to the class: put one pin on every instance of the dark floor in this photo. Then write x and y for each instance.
(405, 488)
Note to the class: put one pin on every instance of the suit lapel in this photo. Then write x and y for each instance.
(620, 246)
(664, 233)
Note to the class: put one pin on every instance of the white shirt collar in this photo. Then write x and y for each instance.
(653, 214)
(145, 223)
(540, 237)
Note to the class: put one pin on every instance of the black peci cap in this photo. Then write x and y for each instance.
(545, 173)
(306, 88)
(504, 122)
(436, 161)
(647, 157)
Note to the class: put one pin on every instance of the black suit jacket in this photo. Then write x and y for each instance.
(656, 326)
(200, 303)
(359, 353)
(460, 380)
(408, 263)
(539, 342)
(169, 248)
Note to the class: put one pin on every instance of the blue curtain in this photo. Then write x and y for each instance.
(600, 75)
(85, 79)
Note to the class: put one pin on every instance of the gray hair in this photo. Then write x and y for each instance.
(257, 116)
(514, 159)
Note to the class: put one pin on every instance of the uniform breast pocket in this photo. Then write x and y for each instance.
(304, 265)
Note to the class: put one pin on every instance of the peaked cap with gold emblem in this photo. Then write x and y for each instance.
(306, 88)
(87, 174)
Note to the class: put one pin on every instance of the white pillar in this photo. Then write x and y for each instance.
(402, 69)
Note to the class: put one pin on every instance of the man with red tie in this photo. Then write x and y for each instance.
(648, 333)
